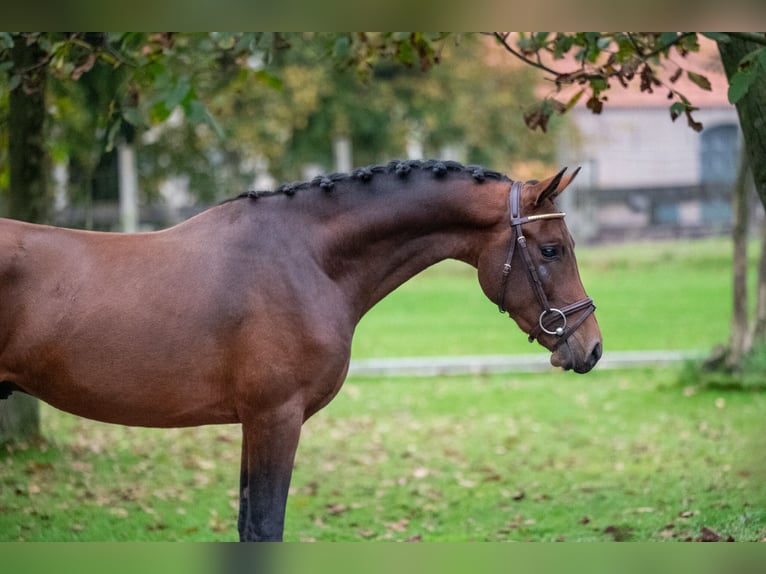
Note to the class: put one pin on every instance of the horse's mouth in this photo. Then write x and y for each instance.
(565, 358)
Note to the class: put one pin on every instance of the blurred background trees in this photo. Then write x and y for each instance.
(219, 110)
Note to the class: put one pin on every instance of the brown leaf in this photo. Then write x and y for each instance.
(557, 106)
(595, 105)
(619, 533)
(84, 67)
(693, 124)
(36, 467)
(398, 526)
(537, 118)
(709, 535)
(584, 520)
(336, 508)
(647, 79)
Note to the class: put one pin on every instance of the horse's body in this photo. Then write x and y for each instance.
(246, 312)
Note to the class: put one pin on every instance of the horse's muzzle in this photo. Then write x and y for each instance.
(570, 360)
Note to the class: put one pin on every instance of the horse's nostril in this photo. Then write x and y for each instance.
(595, 354)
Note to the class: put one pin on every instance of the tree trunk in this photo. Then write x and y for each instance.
(758, 336)
(28, 199)
(739, 343)
(751, 110)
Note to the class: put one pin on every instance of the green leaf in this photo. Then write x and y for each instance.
(676, 110)
(226, 40)
(751, 57)
(6, 40)
(541, 38)
(195, 111)
(268, 79)
(14, 81)
(717, 36)
(160, 112)
(132, 116)
(245, 43)
(667, 38)
(406, 53)
(561, 45)
(111, 133)
(599, 84)
(176, 93)
(574, 99)
(739, 85)
(700, 80)
(341, 47)
(214, 124)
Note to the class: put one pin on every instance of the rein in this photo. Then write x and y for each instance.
(550, 316)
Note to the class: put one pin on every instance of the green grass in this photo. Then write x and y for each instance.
(629, 455)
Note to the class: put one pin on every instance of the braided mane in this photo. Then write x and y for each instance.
(402, 169)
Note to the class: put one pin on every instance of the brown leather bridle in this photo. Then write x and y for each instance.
(550, 316)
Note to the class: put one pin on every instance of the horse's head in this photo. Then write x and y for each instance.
(530, 271)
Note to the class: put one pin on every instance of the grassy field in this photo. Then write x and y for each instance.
(613, 455)
(626, 455)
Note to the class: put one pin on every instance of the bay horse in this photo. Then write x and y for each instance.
(245, 312)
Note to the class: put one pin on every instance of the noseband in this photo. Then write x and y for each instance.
(552, 321)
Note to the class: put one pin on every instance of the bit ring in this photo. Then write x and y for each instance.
(558, 331)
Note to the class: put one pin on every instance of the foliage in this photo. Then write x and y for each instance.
(591, 60)
(211, 106)
(600, 57)
(751, 66)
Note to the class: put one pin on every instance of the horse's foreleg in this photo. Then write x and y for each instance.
(268, 451)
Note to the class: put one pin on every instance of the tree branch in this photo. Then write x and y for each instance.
(666, 46)
(503, 39)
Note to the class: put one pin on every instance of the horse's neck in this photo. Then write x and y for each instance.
(407, 226)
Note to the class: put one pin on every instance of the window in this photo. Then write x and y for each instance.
(720, 152)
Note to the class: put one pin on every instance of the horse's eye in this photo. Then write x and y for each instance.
(549, 252)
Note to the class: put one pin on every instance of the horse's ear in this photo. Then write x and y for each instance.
(551, 187)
